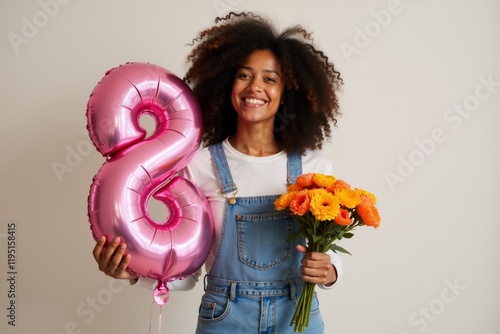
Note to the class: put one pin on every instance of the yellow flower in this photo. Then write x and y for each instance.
(324, 205)
(364, 193)
(324, 181)
(284, 201)
(348, 197)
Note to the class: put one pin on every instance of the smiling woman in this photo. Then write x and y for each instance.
(256, 96)
(268, 100)
(309, 103)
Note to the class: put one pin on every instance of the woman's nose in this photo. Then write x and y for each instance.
(254, 86)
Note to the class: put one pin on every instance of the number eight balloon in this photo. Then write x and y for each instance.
(138, 167)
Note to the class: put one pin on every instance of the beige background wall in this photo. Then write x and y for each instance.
(420, 129)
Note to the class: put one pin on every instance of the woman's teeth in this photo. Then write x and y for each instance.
(254, 101)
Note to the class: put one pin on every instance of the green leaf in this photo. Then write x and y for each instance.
(331, 232)
(337, 248)
(348, 235)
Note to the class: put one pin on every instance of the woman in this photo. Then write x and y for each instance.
(268, 100)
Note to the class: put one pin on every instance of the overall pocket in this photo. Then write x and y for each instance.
(262, 239)
(213, 307)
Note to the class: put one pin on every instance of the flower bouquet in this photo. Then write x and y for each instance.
(327, 210)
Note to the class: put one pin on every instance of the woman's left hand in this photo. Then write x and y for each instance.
(316, 267)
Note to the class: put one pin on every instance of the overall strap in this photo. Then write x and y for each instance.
(294, 167)
(222, 168)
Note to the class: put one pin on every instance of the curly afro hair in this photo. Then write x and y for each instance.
(311, 81)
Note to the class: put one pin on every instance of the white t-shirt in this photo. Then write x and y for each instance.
(253, 176)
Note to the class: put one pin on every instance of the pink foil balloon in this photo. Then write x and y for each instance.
(137, 168)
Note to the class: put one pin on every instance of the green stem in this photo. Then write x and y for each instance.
(300, 318)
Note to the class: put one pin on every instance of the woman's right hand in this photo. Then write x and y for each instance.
(111, 259)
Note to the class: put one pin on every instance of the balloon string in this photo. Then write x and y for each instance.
(159, 321)
(151, 318)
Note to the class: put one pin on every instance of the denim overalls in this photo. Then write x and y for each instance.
(254, 283)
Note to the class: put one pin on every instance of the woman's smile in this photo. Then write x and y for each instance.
(257, 88)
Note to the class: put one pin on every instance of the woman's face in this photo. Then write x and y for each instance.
(257, 88)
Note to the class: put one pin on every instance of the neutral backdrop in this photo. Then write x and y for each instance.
(419, 129)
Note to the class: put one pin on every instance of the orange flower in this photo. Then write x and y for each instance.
(338, 185)
(305, 180)
(300, 203)
(348, 197)
(368, 213)
(324, 181)
(294, 187)
(284, 201)
(324, 205)
(343, 218)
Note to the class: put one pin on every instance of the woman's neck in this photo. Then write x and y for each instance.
(255, 144)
